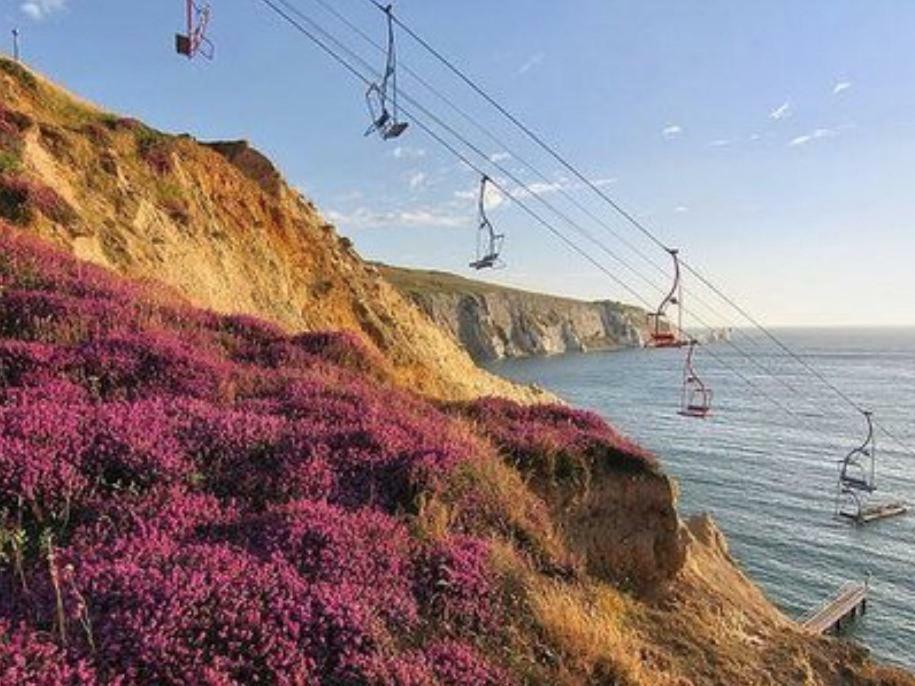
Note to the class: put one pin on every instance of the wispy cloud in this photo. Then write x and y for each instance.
(681, 209)
(418, 217)
(39, 9)
(781, 112)
(720, 143)
(671, 131)
(608, 181)
(841, 86)
(500, 157)
(531, 62)
(812, 136)
(404, 152)
(418, 180)
(539, 188)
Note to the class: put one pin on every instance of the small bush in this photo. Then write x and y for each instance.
(18, 72)
(21, 198)
(155, 149)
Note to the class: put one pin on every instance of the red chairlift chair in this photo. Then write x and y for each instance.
(663, 335)
(195, 41)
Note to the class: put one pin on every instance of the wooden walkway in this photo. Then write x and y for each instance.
(849, 602)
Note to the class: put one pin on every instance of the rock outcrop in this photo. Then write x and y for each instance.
(494, 322)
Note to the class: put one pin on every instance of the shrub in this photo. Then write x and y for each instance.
(21, 198)
(155, 149)
(29, 659)
(555, 442)
(18, 72)
(454, 585)
(206, 499)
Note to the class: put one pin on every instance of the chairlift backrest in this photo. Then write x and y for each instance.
(695, 397)
(858, 467)
(670, 337)
(378, 96)
(489, 243)
(195, 41)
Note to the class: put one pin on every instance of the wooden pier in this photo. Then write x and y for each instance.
(834, 615)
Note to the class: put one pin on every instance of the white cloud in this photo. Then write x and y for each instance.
(500, 157)
(841, 86)
(720, 143)
(781, 112)
(467, 195)
(493, 197)
(609, 181)
(813, 135)
(539, 188)
(532, 61)
(671, 131)
(417, 180)
(403, 152)
(418, 217)
(39, 9)
(681, 209)
(754, 137)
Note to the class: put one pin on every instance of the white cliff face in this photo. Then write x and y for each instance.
(492, 322)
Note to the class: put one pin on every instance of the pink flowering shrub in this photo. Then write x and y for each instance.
(21, 198)
(454, 584)
(28, 658)
(554, 441)
(193, 498)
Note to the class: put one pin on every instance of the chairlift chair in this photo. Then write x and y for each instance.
(385, 121)
(489, 243)
(857, 475)
(195, 41)
(665, 336)
(696, 397)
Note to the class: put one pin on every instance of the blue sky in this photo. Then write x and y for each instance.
(773, 142)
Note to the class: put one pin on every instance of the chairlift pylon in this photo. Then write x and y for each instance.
(664, 336)
(384, 120)
(489, 243)
(695, 396)
(195, 41)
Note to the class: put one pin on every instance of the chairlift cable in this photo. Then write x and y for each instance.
(634, 221)
(543, 177)
(503, 189)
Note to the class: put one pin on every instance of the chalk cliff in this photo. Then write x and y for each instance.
(494, 322)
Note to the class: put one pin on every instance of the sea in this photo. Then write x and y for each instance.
(765, 463)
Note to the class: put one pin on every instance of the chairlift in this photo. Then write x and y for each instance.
(385, 121)
(662, 334)
(195, 41)
(856, 475)
(696, 397)
(857, 483)
(489, 243)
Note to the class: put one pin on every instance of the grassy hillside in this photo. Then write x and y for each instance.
(256, 463)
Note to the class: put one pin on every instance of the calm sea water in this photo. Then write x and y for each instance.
(770, 478)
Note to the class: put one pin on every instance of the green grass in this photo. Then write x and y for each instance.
(18, 72)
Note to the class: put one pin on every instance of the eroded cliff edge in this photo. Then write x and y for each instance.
(493, 322)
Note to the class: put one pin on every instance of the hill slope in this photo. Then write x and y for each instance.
(215, 222)
(189, 496)
(493, 322)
